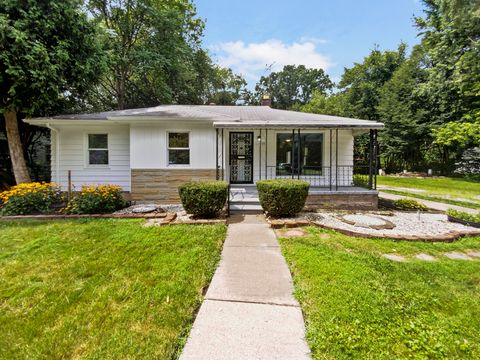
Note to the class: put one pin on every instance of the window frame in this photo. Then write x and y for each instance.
(178, 148)
(88, 149)
(303, 132)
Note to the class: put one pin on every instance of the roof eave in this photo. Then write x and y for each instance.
(250, 125)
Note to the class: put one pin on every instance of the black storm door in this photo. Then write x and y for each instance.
(241, 157)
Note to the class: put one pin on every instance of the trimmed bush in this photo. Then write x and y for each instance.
(282, 197)
(409, 204)
(30, 198)
(203, 198)
(96, 199)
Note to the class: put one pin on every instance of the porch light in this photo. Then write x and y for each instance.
(259, 139)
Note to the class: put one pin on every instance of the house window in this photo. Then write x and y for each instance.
(300, 155)
(98, 149)
(178, 148)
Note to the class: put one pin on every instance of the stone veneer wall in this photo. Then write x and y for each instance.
(161, 185)
(345, 201)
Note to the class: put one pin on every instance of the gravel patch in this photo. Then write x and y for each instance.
(406, 224)
(148, 208)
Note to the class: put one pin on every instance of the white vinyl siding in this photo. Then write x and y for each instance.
(74, 156)
(149, 145)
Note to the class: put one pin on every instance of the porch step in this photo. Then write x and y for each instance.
(246, 208)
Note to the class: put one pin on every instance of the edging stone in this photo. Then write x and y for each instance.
(85, 216)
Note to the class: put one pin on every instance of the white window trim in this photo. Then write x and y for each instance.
(178, 148)
(87, 150)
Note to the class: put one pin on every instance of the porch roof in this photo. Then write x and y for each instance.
(219, 116)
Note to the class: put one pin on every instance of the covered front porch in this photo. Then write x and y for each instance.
(324, 157)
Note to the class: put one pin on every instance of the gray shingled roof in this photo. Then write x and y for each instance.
(223, 116)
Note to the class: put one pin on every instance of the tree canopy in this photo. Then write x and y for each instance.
(155, 56)
(49, 55)
(293, 85)
(428, 99)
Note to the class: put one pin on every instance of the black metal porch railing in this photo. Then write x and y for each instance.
(322, 176)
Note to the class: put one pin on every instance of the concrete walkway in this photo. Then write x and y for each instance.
(249, 311)
(428, 203)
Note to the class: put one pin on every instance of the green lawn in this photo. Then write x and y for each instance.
(358, 304)
(101, 288)
(447, 190)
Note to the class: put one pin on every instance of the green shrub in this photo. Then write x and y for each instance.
(29, 198)
(96, 199)
(464, 215)
(409, 204)
(282, 197)
(203, 198)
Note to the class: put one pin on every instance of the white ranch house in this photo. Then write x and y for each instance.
(150, 151)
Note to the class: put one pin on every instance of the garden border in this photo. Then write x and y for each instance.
(448, 237)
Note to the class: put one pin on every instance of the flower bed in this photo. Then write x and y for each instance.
(30, 198)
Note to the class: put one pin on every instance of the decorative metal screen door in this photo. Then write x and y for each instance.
(241, 157)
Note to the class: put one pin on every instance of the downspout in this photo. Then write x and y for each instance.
(57, 153)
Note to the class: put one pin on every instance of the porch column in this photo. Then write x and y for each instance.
(330, 163)
(336, 159)
(223, 156)
(266, 153)
(299, 150)
(260, 155)
(217, 175)
(376, 150)
(372, 160)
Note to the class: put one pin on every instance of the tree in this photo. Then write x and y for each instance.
(155, 54)
(451, 37)
(334, 104)
(225, 87)
(48, 53)
(407, 132)
(293, 86)
(361, 84)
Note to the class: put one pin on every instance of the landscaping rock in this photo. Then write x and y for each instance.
(277, 224)
(394, 257)
(425, 257)
(295, 233)
(457, 256)
(142, 209)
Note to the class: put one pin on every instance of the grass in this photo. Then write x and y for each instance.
(101, 288)
(358, 304)
(445, 190)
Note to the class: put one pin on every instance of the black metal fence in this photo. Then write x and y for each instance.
(333, 177)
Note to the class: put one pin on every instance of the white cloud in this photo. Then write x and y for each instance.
(253, 59)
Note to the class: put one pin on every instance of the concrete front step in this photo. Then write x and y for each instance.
(253, 208)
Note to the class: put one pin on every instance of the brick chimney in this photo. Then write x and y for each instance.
(266, 100)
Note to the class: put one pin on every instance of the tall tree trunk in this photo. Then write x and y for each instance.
(15, 146)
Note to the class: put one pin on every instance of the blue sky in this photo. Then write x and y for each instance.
(246, 35)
